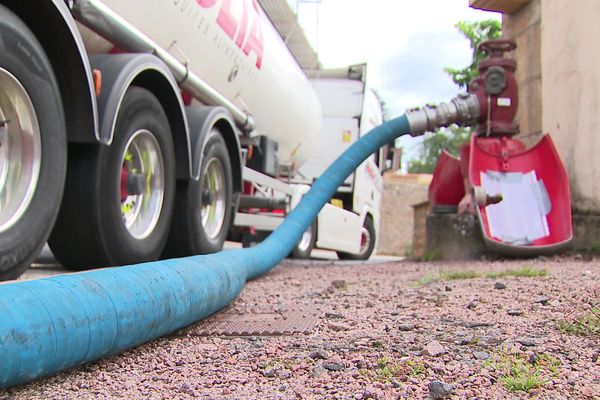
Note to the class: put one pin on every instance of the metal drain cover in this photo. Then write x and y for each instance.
(258, 322)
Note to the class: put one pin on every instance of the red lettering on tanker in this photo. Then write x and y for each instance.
(369, 170)
(206, 3)
(237, 28)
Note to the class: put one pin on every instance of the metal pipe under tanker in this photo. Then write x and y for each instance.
(232, 46)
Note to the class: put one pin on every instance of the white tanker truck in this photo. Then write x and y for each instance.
(134, 130)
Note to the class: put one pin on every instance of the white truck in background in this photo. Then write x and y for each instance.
(133, 130)
(350, 222)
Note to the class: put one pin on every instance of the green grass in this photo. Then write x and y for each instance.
(430, 255)
(586, 325)
(415, 368)
(460, 275)
(524, 272)
(519, 374)
(595, 248)
(387, 370)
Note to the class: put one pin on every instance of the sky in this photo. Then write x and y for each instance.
(406, 44)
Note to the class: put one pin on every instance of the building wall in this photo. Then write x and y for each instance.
(400, 192)
(524, 27)
(571, 89)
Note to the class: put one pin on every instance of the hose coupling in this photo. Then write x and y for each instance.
(463, 110)
(484, 199)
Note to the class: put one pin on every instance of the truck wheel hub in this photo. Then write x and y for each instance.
(20, 150)
(213, 198)
(142, 184)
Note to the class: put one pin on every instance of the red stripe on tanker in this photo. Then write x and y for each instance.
(232, 45)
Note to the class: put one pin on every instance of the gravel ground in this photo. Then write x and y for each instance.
(387, 331)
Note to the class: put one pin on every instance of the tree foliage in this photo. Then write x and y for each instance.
(433, 143)
(476, 32)
(453, 137)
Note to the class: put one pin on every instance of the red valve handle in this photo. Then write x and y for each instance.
(496, 47)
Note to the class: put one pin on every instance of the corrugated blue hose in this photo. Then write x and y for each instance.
(51, 324)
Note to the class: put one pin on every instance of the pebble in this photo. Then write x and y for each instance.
(481, 355)
(434, 349)
(440, 390)
(319, 355)
(533, 359)
(406, 327)
(338, 284)
(318, 371)
(330, 315)
(466, 340)
(543, 300)
(333, 367)
(269, 373)
(478, 324)
(338, 326)
(515, 313)
(526, 342)
(499, 286)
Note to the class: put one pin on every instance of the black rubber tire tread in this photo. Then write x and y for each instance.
(90, 232)
(22, 55)
(299, 254)
(367, 253)
(187, 236)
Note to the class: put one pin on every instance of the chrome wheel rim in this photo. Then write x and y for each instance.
(305, 240)
(365, 240)
(214, 198)
(141, 208)
(20, 150)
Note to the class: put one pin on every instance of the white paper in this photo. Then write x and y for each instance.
(519, 218)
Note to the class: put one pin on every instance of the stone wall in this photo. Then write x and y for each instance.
(399, 194)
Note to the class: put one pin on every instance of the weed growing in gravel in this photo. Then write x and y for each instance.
(445, 276)
(524, 272)
(415, 368)
(586, 325)
(426, 280)
(520, 374)
(430, 255)
(387, 370)
(459, 275)
(595, 248)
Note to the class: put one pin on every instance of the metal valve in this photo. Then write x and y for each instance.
(463, 110)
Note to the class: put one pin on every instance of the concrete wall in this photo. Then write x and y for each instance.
(571, 90)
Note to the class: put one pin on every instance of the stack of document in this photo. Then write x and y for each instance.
(521, 217)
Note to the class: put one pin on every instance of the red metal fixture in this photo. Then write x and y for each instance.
(522, 194)
(496, 89)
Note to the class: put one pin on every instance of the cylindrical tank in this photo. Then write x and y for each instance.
(233, 46)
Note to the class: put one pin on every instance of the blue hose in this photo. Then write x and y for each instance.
(52, 324)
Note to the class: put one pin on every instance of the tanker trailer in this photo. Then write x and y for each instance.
(126, 127)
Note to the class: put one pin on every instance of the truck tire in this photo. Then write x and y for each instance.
(367, 243)
(32, 146)
(202, 216)
(119, 199)
(306, 244)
